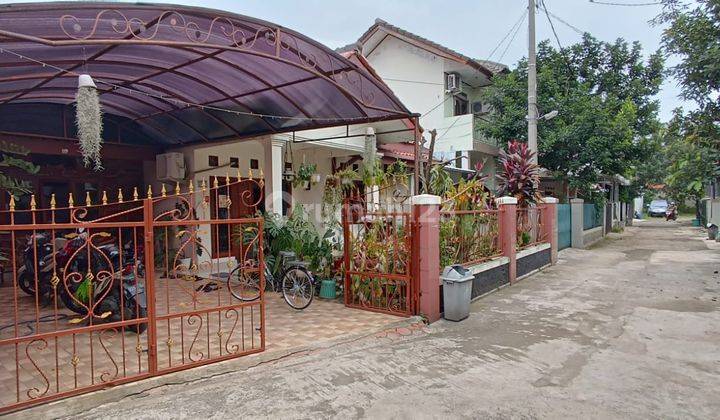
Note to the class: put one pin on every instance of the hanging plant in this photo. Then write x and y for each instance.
(89, 122)
(304, 175)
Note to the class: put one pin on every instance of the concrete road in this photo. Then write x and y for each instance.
(628, 329)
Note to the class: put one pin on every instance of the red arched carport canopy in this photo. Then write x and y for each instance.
(168, 75)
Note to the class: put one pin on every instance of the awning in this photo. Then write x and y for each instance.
(173, 75)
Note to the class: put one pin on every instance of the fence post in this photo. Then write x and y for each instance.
(148, 218)
(508, 232)
(578, 222)
(549, 225)
(426, 254)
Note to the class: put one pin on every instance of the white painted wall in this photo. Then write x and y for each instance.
(395, 60)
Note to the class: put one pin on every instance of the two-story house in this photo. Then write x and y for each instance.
(441, 84)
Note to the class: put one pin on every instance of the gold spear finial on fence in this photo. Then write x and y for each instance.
(149, 191)
(227, 178)
(12, 202)
(104, 197)
(250, 174)
(120, 195)
(177, 187)
(239, 177)
(163, 191)
(52, 201)
(203, 186)
(262, 178)
(216, 183)
(88, 200)
(71, 201)
(135, 194)
(191, 186)
(33, 205)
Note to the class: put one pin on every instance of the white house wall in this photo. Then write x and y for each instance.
(414, 75)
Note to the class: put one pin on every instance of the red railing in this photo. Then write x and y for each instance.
(468, 237)
(378, 255)
(98, 295)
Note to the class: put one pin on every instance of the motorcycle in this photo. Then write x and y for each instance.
(670, 214)
(42, 251)
(84, 287)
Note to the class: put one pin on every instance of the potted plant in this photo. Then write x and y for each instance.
(304, 176)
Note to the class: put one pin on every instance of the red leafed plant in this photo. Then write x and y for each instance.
(518, 176)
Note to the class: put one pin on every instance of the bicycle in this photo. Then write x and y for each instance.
(297, 283)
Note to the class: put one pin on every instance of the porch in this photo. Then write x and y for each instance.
(200, 109)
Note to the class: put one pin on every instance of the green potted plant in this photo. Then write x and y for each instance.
(304, 176)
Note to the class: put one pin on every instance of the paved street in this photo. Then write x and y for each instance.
(629, 329)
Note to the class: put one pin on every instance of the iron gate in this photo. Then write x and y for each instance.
(102, 294)
(378, 260)
(564, 223)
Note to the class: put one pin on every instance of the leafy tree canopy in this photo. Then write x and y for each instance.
(693, 34)
(604, 93)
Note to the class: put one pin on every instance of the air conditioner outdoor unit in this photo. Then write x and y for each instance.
(170, 167)
(452, 82)
(480, 108)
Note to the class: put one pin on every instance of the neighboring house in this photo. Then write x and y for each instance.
(441, 84)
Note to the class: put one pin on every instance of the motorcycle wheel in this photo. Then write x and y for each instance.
(27, 283)
(69, 302)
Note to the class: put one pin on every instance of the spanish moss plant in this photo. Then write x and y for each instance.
(89, 125)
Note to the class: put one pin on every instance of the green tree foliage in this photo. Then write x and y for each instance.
(691, 162)
(693, 34)
(13, 156)
(604, 94)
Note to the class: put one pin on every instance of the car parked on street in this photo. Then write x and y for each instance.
(658, 208)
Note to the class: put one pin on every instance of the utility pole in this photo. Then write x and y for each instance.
(532, 83)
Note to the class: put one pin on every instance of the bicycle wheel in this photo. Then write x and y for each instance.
(244, 284)
(298, 287)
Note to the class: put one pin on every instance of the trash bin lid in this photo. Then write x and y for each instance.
(456, 273)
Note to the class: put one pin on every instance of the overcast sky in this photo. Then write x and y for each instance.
(472, 27)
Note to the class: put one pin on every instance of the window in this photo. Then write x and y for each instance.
(234, 162)
(213, 161)
(254, 164)
(460, 105)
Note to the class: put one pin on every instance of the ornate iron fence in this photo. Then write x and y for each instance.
(378, 255)
(102, 294)
(468, 237)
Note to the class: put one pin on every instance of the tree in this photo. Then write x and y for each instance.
(693, 35)
(691, 163)
(13, 156)
(604, 95)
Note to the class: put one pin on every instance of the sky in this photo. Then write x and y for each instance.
(472, 27)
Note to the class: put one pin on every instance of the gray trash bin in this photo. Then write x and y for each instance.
(457, 290)
(712, 231)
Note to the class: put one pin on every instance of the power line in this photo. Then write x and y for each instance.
(513, 37)
(512, 28)
(552, 25)
(515, 27)
(564, 22)
(609, 3)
